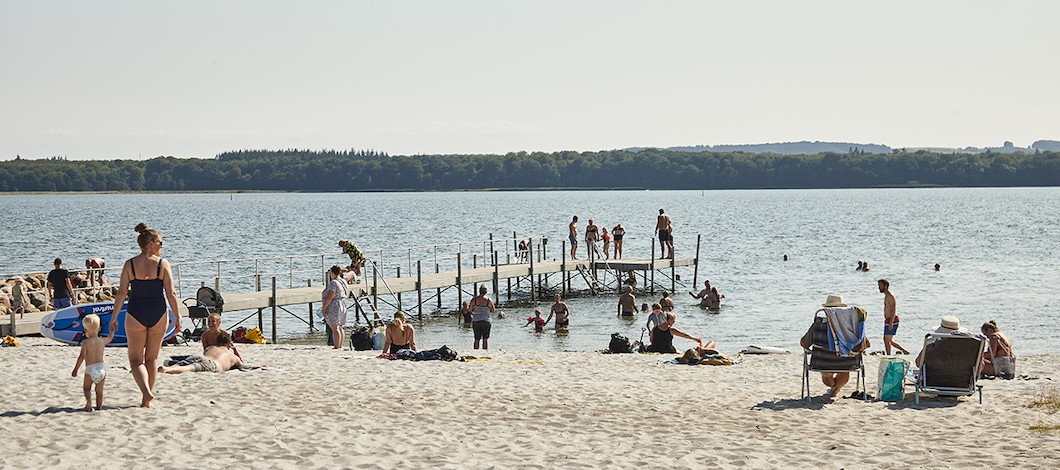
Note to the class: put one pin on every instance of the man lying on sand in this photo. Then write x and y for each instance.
(218, 358)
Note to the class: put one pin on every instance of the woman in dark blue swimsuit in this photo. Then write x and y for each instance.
(146, 319)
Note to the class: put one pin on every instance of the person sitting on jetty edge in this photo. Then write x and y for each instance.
(663, 336)
(627, 304)
(219, 358)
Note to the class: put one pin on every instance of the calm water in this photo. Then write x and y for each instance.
(997, 248)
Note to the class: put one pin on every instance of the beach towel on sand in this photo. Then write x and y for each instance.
(845, 328)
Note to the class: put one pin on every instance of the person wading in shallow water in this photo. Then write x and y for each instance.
(481, 308)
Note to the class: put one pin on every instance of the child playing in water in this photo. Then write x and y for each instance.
(92, 355)
(539, 323)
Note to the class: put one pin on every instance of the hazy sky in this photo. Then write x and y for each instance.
(128, 79)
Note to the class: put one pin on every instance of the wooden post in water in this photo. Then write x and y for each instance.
(673, 275)
(438, 294)
(273, 302)
(651, 288)
(533, 290)
(508, 258)
(419, 289)
(399, 293)
(261, 325)
(375, 288)
(491, 243)
(474, 265)
(695, 265)
(459, 281)
(311, 328)
(563, 270)
(496, 279)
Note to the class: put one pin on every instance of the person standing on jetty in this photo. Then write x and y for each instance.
(627, 304)
(890, 318)
(95, 267)
(618, 232)
(59, 284)
(146, 319)
(573, 237)
(592, 234)
(481, 308)
(664, 226)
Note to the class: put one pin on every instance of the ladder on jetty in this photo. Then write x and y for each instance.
(590, 280)
(363, 304)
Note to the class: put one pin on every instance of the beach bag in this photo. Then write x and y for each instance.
(239, 335)
(891, 383)
(446, 353)
(362, 338)
(1005, 367)
(254, 335)
(619, 344)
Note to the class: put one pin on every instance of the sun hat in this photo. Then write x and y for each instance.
(19, 279)
(950, 322)
(834, 301)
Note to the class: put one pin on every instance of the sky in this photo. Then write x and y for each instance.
(134, 79)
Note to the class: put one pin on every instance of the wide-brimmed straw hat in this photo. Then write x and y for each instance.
(834, 301)
(950, 322)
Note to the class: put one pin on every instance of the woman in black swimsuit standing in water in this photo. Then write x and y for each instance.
(146, 319)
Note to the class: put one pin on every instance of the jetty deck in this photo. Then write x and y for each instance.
(390, 286)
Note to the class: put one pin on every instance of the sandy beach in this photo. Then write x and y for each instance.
(320, 408)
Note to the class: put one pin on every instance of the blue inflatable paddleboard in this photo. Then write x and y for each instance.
(64, 325)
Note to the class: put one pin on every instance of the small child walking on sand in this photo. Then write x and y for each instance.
(539, 323)
(18, 297)
(92, 356)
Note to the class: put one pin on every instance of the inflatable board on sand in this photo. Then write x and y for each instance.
(64, 325)
(753, 349)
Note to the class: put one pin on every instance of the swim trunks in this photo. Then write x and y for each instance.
(97, 372)
(201, 363)
(628, 314)
(890, 328)
(664, 236)
(562, 324)
(573, 240)
(394, 348)
(481, 329)
(61, 302)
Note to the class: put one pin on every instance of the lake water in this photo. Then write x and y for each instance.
(997, 248)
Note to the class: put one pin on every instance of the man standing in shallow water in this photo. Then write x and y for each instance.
(890, 318)
(627, 304)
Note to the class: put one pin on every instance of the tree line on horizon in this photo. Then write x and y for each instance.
(305, 170)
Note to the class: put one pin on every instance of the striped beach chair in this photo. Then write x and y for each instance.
(822, 356)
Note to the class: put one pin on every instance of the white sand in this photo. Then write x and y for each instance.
(322, 408)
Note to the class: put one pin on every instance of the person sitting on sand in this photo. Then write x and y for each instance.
(399, 335)
(219, 358)
(999, 346)
(627, 304)
(213, 331)
(663, 335)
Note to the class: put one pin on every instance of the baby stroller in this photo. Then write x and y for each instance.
(207, 301)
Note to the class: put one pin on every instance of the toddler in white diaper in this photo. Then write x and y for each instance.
(92, 356)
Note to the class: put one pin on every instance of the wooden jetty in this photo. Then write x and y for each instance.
(540, 275)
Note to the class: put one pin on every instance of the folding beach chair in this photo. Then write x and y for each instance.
(950, 365)
(822, 356)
